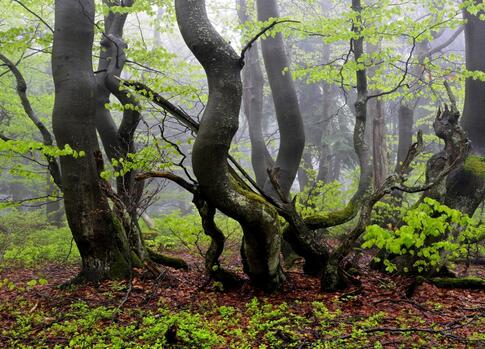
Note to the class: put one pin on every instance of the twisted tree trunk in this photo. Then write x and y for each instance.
(253, 84)
(219, 123)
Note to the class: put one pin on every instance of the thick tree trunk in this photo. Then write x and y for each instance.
(101, 242)
(465, 187)
(292, 135)
(219, 123)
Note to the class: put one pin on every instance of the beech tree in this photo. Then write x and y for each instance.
(103, 222)
(99, 236)
(219, 123)
(465, 187)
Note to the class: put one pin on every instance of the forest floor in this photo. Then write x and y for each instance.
(186, 310)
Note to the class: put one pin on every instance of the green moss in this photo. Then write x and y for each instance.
(476, 165)
(119, 268)
(135, 260)
(333, 218)
(252, 196)
(465, 282)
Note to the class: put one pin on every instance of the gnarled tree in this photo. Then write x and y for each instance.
(219, 123)
(465, 187)
(100, 239)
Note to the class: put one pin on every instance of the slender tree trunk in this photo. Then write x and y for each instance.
(53, 209)
(325, 162)
(379, 147)
(103, 246)
(292, 135)
(378, 129)
(331, 278)
(405, 137)
(253, 84)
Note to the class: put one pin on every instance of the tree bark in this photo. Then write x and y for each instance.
(465, 187)
(261, 245)
(292, 135)
(101, 242)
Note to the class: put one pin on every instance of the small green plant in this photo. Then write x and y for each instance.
(433, 235)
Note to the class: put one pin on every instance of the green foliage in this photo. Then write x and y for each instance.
(175, 230)
(321, 197)
(433, 234)
(255, 324)
(26, 238)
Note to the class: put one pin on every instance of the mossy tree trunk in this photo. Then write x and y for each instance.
(219, 123)
(465, 187)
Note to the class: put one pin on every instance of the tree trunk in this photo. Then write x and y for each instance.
(405, 138)
(53, 209)
(101, 242)
(325, 161)
(465, 187)
(379, 147)
(253, 84)
(261, 245)
(292, 135)
(118, 142)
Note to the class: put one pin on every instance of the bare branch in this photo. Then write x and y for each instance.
(35, 14)
(448, 42)
(170, 176)
(257, 36)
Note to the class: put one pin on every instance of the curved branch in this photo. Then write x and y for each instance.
(448, 42)
(46, 135)
(170, 176)
(261, 33)
(35, 14)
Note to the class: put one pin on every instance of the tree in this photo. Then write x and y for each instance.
(465, 187)
(253, 83)
(290, 123)
(219, 123)
(99, 236)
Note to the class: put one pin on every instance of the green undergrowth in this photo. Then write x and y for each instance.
(176, 230)
(257, 324)
(26, 238)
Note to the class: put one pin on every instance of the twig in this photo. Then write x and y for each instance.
(257, 36)
(35, 14)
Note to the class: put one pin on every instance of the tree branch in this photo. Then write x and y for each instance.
(35, 14)
(258, 35)
(46, 135)
(448, 42)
